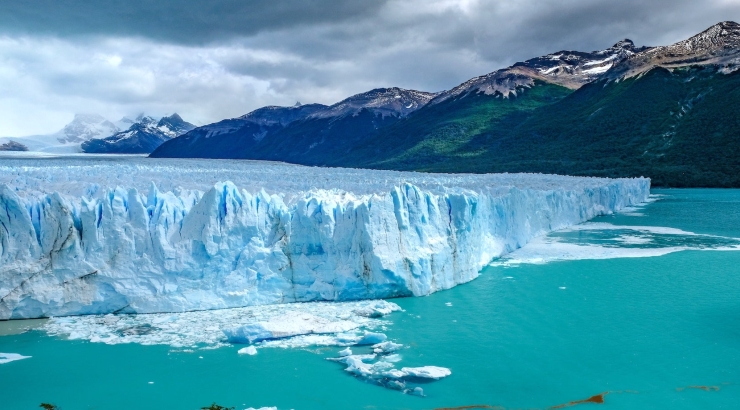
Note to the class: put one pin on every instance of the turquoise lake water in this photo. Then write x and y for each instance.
(652, 332)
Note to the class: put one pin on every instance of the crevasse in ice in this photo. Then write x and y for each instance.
(101, 237)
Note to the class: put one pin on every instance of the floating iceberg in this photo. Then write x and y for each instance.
(386, 347)
(11, 357)
(286, 326)
(82, 237)
(383, 372)
(426, 372)
(250, 350)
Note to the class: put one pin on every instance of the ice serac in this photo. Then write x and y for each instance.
(110, 248)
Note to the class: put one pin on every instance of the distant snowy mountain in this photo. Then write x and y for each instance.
(67, 140)
(718, 45)
(570, 69)
(145, 135)
(85, 127)
(89, 130)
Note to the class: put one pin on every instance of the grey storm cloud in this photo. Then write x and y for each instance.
(209, 60)
(179, 21)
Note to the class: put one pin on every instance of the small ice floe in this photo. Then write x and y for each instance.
(379, 368)
(151, 382)
(286, 326)
(250, 350)
(427, 372)
(448, 304)
(348, 358)
(345, 352)
(417, 391)
(386, 347)
(392, 358)
(377, 309)
(371, 338)
(562, 288)
(11, 357)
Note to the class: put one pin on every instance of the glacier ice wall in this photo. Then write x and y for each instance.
(74, 244)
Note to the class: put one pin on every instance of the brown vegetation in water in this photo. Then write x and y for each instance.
(598, 399)
(705, 388)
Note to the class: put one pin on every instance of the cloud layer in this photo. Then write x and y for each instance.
(221, 59)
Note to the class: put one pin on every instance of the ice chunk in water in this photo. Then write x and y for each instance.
(250, 350)
(427, 372)
(378, 309)
(386, 347)
(11, 357)
(288, 326)
(417, 391)
(371, 338)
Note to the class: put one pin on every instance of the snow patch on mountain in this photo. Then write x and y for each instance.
(381, 101)
(718, 45)
(145, 135)
(570, 69)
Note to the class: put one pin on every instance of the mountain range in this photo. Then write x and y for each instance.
(666, 112)
(93, 133)
(305, 134)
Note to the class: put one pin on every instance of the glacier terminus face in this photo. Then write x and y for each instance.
(138, 235)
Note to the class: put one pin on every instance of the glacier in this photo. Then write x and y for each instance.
(136, 235)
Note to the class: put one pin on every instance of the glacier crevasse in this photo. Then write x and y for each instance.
(120, 250)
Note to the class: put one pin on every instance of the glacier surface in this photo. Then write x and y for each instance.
(138, 235)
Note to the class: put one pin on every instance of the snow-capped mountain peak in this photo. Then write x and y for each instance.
(146, 134)
(383, 101)
(719, 44)
(84, 127)
(568, 68)
(174, 125)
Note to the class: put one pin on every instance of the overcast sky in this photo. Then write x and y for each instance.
(215, 59)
